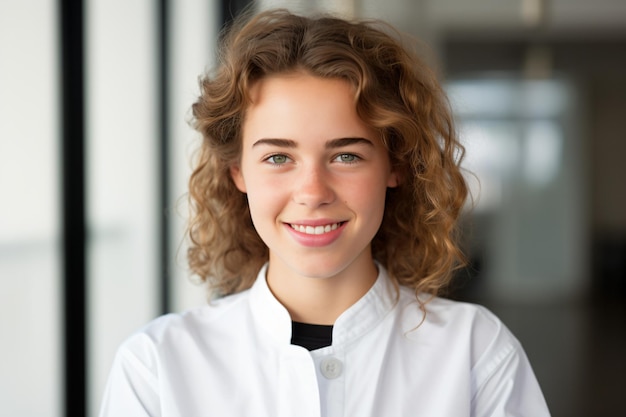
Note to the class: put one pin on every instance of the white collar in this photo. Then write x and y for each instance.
(357, 320)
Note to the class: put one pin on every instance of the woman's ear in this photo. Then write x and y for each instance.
(237, 176)
(394, 180)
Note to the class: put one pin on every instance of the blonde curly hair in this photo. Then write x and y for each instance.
(396, 94)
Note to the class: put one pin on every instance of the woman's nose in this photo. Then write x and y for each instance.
(313, 188)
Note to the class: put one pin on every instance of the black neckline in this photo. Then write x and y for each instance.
(311, 336)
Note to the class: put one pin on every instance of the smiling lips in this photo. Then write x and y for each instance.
(315, 230)
(316, 235)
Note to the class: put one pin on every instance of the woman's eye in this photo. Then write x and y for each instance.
(278, 159)
(347, 157)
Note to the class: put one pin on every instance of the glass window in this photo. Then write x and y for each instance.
(30, 316)
(525, 170)
(122, 178)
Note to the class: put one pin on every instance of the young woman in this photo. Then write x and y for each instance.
(325, 200)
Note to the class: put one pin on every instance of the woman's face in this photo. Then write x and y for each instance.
(315, 175)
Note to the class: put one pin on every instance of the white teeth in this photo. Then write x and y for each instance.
(317, 230)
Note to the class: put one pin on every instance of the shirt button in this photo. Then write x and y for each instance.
(331, 368)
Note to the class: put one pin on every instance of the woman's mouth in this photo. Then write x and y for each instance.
(315, 230)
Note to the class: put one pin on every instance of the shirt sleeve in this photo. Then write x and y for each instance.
(506, 385)
(132, 386)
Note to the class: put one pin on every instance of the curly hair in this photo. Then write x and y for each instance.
(396, 94)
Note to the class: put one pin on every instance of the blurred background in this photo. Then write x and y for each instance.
(95, 152)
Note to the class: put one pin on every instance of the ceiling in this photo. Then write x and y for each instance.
(433, 17)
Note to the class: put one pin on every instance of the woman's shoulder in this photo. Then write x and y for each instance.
(176, 328)
(462, 312)
(445, 309)
(458, 322)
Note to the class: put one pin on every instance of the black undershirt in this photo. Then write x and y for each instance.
(311, 336)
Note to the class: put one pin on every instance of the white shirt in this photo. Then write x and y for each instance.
(234, 358)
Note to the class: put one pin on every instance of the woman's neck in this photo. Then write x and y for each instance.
(317, 300)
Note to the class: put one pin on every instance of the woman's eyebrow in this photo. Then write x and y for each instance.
(341, 142)
(331, 144)
(282, 143)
